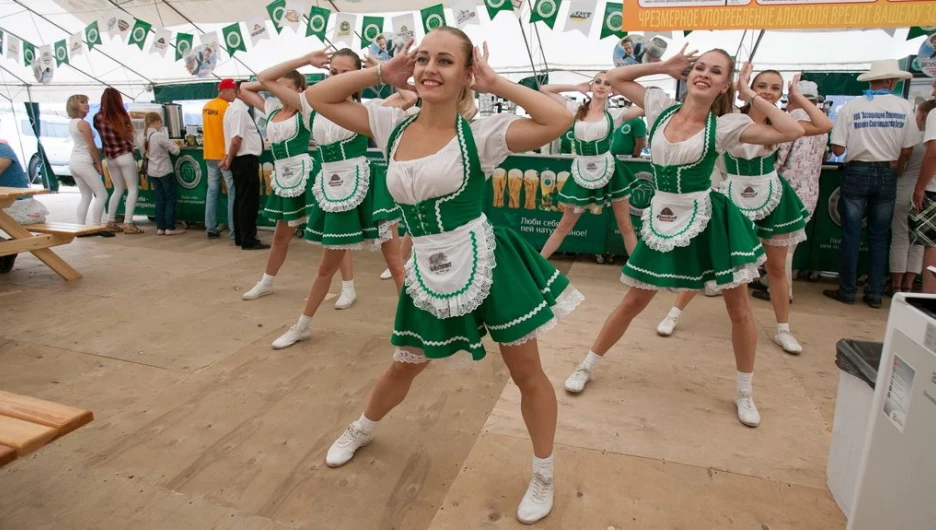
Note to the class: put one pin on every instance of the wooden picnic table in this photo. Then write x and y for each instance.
(38, 238)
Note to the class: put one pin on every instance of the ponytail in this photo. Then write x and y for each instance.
(724, 103)
(466, 105)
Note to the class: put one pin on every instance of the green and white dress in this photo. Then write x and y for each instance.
(596, 181)
(753, 185)
(465, 277)
(351, 208)
(692, 236)
(289, 142)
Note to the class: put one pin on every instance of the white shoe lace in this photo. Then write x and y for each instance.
(350, 436)
(539, 488)
(747, 401)
(580, 373)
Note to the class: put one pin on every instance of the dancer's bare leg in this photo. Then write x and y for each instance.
(780, 297)
(744, 342)
(622, 216)
(282, 235)
(566, 224)
(331, 261)
(666, 326)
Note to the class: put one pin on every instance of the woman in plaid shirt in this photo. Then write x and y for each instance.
(116, 130)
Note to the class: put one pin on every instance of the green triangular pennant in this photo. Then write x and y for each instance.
(318, 22)
(139, 32)
(276, 9)
(233, 38)
(919, 31)
(29, 53)
(545, 11)
(613, 21)
(370, 29)
(92, 35)
(496, 6)
(61, 52)
(183, 45)
(433, 17)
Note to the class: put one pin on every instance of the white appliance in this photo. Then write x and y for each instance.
(896, 486)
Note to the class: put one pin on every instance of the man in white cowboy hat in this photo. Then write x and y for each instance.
(877, 133)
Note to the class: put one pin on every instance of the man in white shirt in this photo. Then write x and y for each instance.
(244, 147)
(876, 132)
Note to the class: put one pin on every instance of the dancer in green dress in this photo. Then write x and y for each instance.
(752, 184)
(596, 179)
(692, 236)
(466, 277)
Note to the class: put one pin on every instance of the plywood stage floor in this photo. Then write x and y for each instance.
(199, 424)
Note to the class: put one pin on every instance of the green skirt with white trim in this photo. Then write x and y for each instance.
(618, 188)
(786, 224)
(367, 226)
(527, 297)
(726, 254)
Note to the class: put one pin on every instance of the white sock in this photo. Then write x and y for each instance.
(543, 466)
(267, 279)
(744, 382)
(783, 327)
(591, 360)
(347, 285)
(674, 313)
(366, 425)
(304, 322)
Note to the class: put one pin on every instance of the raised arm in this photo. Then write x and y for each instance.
(623, 78)
(782, 128)
(553, 91)
(401, 99)
(818, 122)
(548, 118)
(268, 78)
(250, 94)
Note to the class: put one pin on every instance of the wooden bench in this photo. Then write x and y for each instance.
(27, 423)
(66, 229)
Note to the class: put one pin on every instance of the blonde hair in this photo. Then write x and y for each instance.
(465, 105)
(72, 105)
(151, 118)
(724, 103)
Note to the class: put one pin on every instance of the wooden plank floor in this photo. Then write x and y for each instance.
(199, 424)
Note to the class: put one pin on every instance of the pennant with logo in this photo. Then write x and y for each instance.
(13, 47)
(344, 28)
(919, 31)
(29, 53)
(277, 10)
(581, 15)
(118, 25)
(138, 34)
(210, 40)
(404, 27)
(371, 27)
(318, 22)
(496, 6)
(258, 31)
(92, 34)
(433, 17)
(292, 16)
(61, 52)
(46, 56)
(465, 11)
(613, 21)
(43, 65)
(233, 38)
(184, 43)
(160, 44)
(545, 11)
(75, 45)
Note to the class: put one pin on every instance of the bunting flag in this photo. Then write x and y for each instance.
(210, 40)
(46, 56)
(496, 6)
(344, 28)
(29, 53)
(118, 25)
(404, 27)
(13, 47)
(258, 31)
(581, 15)
(92, 34)
(140, 31)
(184, 42)
(433, 17)
(318, 22)
(75, 45)
(546, 11)
(371, 27)
(465, 11)
(613, 21)
(293, 15)
(233, 38)
(277, 9)
(919, 31)
(61, 52)
(161, 40)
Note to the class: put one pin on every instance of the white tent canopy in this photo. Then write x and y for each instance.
(570, 57)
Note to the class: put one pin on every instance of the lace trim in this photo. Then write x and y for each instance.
(741, 275)
(403, 356)
(550, 281)
(593, 184)
(363, 176)
(787, 240)
(299, 187)
(756, 214)
(296, 222)
(472, 297)
(565, 304)
(417, 336)
(682, 240)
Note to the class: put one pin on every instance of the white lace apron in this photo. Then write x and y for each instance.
(756, 196)
(341, 186)
(673, 219)
(290, 175)
(593, 172)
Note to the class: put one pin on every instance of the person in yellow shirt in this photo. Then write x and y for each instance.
(214, 152)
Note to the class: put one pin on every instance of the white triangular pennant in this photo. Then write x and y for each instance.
(581, 16)
(293, 15)
(118, 24)
(344, 28)
(161, 42)
(210, 40)
(13, 45)
(404, 27)
(258, 30)
(465, 11)
(76, 45)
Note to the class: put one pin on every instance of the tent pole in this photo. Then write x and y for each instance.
(148, 80)
(539, 40)
(187, 19)
(526, 44)
(756, 44)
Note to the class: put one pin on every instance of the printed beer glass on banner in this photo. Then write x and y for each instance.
(500, 183)
(514, 185)
(530, 183)
(547, 184)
